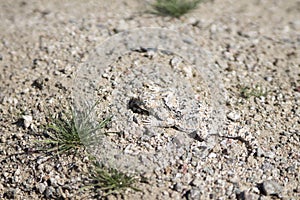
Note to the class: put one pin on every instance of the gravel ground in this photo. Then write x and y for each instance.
(255, 47)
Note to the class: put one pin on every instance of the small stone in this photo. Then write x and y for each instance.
(27, 120)
(297, 112)
(262, 99)
(41, 160)
(17, 172)
(245, 195)
(49, 192)
(196, 182)
(260, 152)
(60, 181)
(11, 100)
(175, 62)
(6, 174)
(212, 155)
(187, 178)
(151, 54)
(193, 194)
(270, 154)
(166, 193)
(229, 190)
(257, 117)
(178, 175)
(178, 187)
(192, 20)
(208, 170)
(213, 28)
(53, 182)
(228, 55)
(105, 75)
(268, 78)
(234, 116)
(26, 90)
(61, 193)
(122, 26)
(270, 187)
(255, 190)
(248, 34)
(41, 187)
(130, 149)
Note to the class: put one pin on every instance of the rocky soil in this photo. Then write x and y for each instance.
(254, 46)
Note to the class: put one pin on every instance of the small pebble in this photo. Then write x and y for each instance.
(260, 152)
(178, 187)
(257, 117)
(27, 120)
(197, 182)
(49, 192)
(41, 187)
(212, 155)
(175, 62)
(194, 194)
(234, 116)
(268, 78)
(271, 187)
(53, 182)
(245, 195)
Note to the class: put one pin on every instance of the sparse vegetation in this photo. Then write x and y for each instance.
(256, 91)
(66, 131)
(174, 8)
(110, 181)
(65, 134)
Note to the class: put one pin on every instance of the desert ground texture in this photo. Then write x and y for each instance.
(255, 47)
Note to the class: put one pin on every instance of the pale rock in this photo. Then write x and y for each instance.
(27, 120)
(175, 62)
(257, 117)
(212, 155)
(197, 182)
(271, 187)
(41, 187)
(234, 116)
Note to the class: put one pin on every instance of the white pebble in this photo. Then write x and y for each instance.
(27, 120)
(234, 116)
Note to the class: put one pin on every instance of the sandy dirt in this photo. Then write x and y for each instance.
(255, 46)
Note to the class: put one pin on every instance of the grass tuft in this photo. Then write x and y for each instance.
(174, 8)
(67, 131)
(63, 134)
(110, 181)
